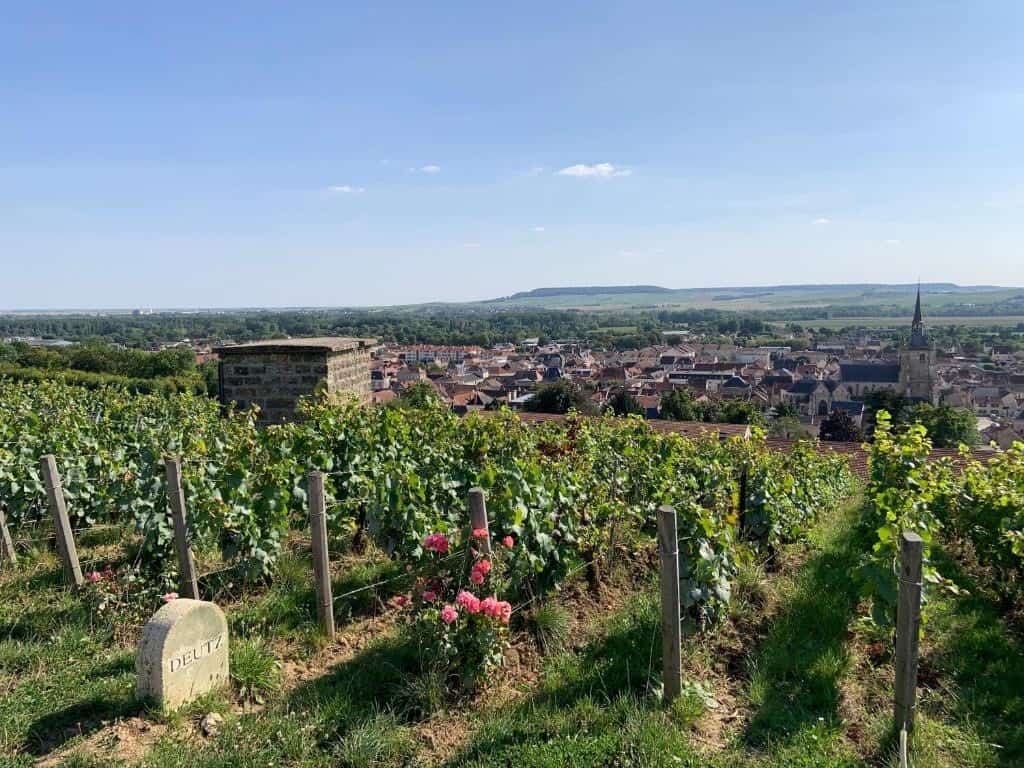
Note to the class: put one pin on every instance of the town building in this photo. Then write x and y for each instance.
(437, 353)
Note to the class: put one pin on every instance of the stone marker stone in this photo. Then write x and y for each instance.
(183, 653)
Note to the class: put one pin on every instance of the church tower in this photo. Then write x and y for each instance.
(917, 360)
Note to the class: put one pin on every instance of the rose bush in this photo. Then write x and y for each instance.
(461, 628)
(125, 598)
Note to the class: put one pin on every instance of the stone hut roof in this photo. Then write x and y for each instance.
(315, 344)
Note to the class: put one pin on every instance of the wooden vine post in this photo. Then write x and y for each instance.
(742, 511)
(321, 558)
(61, 524)
(7, 553)
(908, 629)
(478, 517)
(187, 580)
(671, 627)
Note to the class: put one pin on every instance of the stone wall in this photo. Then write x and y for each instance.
(349, 372)
(276, 380)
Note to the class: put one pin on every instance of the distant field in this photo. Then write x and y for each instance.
(895, 322)
(935, 297)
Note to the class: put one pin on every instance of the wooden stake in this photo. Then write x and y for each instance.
(478, 517)
(671, 629)
(908, 629)
(742, 512)
(62, 525)
(321, 559)
(188, 583)
(6, 542)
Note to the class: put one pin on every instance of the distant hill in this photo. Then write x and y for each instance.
(588, 290)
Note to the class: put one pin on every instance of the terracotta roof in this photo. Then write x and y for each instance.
(854, 452)
(382, 396)
(686, 428)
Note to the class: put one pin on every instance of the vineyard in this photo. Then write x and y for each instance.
(568, 547)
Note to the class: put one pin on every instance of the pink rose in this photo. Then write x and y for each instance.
(484, 566)
(476, 577)
(489, 607)
(401, 601)
(479, 533)
(94, 576)
(436, 542)
(508, 542)
(469, 601)
(429, 596)
(505, 612)
(170, 596)
(449, 614)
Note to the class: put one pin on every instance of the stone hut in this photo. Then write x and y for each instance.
(275, 374)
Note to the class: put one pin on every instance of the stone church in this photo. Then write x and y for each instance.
(913, 376)
(917, 361)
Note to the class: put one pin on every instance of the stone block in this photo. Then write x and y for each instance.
(183, 653)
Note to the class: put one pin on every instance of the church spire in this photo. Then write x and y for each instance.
(917, 337)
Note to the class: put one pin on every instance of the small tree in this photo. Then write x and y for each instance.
(947, 426)
(736, 411)
(884, 400)
(786, 410)
(679, 405)
(788, 427)
(560, 396)
(418, 395)
(622, 403)
(839, 427)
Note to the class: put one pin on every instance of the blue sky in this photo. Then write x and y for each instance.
(277, 154)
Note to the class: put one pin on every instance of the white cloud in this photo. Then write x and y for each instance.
(821, 221)
(430, 168)
(892, 242)
(538, 229)
(536, 170)
(597, 170)
(346, 189)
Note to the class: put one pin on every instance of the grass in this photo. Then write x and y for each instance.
(381, 742)
(795, 676)
(254, 670)
(550, 624)
(788, 681)
(61, 675)
(977, 663)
